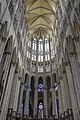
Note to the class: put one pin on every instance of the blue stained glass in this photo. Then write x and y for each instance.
(40, 106)
(40, 88)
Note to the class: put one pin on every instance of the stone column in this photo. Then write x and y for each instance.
(65, 92)
(26, 111)
(45, 83)
(5, 104)
(45, 99)
(60, 98)
(16, 97)
(35, 96)
(67, 99)
(36, 84)
(11, 101)
(3, 38)
(20, 97)
(73, 96)
(76, 76)
(75, 67)
(5, 67)
(2, 46)
(63, 95)
(54, 101)
(52, 84)
(77, 44)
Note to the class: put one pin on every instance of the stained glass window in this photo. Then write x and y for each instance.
(40, 88)
(40, 106)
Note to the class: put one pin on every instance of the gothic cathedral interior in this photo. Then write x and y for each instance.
(39, 59)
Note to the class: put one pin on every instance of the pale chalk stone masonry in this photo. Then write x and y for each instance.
(39, 61)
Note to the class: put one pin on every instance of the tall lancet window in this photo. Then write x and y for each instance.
(40, 51)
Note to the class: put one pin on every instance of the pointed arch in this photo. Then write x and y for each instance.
(40, 80)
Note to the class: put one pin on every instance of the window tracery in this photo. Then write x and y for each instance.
(43, 52)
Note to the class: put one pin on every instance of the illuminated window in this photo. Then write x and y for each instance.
(40, 52)
(40, 88)
(40, 106)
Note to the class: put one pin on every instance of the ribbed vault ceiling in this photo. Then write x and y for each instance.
(40, 17)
